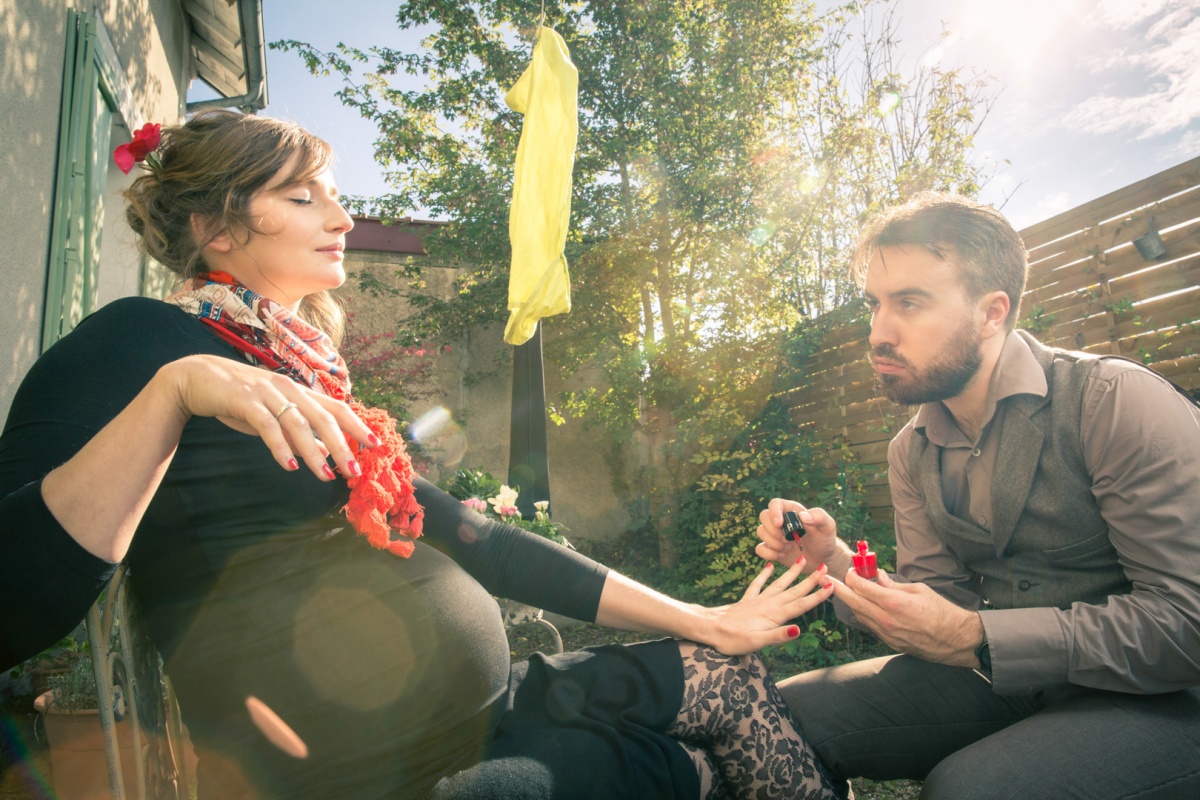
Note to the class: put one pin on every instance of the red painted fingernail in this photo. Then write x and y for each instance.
(793, 631)
(292, 465)
(798, 560)
(822, 565)
(355, 469)
(373, 440)
(328, 472)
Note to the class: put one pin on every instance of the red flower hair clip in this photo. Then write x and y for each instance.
(145, 141)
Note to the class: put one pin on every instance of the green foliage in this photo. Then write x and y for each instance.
(728, 152)
(819, 645)
(19, 680)
(1123, 305)
(1036, 320)
(772, 457)
(468, 483)
(75, 689)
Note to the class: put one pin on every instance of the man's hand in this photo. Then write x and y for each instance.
(912, 618)
(819, 545)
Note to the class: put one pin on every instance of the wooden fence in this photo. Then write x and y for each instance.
(1089, 288)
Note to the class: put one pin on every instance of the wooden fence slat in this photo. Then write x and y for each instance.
(1163, 313)
(1184, 274)
(1147, 190)
(1180, 243)
(1118, 233)
(1084, 304)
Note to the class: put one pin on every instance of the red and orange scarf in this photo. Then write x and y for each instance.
(273, 337)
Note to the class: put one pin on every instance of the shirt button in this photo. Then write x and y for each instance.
(975, 452)
(1024, 586)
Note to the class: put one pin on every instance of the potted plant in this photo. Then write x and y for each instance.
(32, 677)
(479, 491)
(71, 716)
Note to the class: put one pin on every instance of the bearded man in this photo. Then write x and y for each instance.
(1046, 602)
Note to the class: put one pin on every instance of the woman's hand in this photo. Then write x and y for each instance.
(100, 494)
(761, 617)
(292, 420)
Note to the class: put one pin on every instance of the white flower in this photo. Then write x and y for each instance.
(542, 505)
(505, 502)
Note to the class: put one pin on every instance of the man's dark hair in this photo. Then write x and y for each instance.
(977, 238)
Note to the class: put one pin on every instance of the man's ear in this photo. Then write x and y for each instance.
(204, 234)
(995, 307)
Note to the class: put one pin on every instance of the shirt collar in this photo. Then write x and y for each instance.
(1017, 372)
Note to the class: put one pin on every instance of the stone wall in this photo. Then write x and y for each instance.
(581, 481)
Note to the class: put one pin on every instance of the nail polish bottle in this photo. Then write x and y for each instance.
(864, 561)
(793, 528)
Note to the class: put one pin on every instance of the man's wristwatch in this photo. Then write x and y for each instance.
(984, 654)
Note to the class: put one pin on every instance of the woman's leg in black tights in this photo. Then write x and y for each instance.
(732, 710)
(711, 787)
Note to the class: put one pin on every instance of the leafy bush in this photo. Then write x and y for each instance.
(772, 458)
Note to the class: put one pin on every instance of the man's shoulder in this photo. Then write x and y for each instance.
(1110, 371)
(1081, 366)
(900, 442)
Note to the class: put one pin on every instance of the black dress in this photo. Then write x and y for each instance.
(394, 672)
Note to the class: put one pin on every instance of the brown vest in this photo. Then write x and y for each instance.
(1049, 545)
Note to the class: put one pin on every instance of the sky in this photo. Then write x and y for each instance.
(1093, 94)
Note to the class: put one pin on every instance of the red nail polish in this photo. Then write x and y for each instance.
(292, 465)
(355, 469)
(798, 560)
(373, 440)
(793, 631)
(328, 472)
(822, 565)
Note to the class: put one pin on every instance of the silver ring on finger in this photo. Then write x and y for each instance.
(288, 406)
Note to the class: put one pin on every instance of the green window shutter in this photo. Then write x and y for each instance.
(84, 138)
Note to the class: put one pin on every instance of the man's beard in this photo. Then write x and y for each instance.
(946, 377)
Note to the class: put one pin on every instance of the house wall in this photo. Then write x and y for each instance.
(150, 39)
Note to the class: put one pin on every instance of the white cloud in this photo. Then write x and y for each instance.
(1185, 147)
(1127, 13)
(1046, 206)
(1165, 54)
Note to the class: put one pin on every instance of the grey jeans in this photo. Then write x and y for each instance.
(900, 717)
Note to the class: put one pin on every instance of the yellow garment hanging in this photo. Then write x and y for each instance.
(538, 284)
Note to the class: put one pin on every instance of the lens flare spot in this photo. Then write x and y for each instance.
(278, 732)
(762, 233)
(888, 102)
(430, 424)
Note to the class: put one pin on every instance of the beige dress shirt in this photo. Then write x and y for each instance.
(1141, 444)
